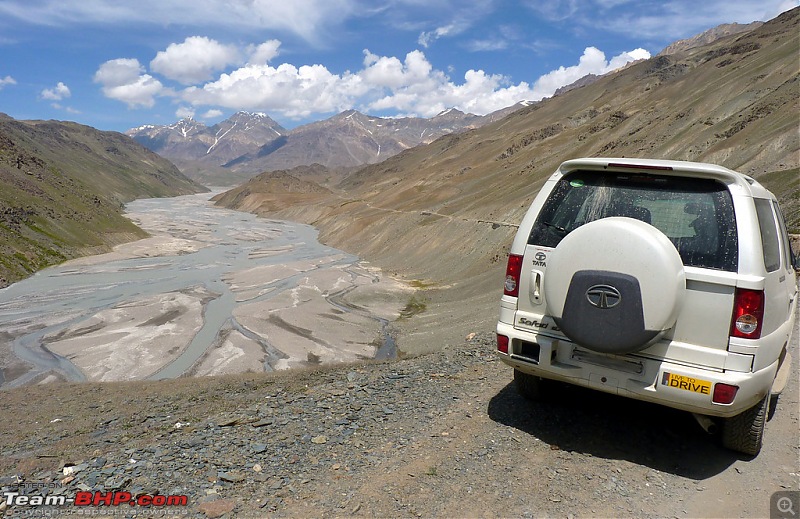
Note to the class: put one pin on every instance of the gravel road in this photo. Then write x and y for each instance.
(439, 435)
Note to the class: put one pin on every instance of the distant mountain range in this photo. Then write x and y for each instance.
(216, 145)
(249, 143)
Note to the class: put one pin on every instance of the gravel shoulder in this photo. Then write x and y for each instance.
(438, 435)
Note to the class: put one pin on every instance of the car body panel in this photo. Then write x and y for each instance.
(698, 346)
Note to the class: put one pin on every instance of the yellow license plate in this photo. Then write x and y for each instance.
(694, 385)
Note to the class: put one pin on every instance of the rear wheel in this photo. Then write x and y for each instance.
(530, 386)
(745, 432)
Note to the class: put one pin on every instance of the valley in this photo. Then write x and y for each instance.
(211, 291)
(157, 367)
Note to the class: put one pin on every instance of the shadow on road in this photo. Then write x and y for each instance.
(612, 427)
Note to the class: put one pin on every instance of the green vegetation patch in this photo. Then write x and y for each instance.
(416, 305)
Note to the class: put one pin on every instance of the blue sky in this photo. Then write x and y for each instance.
(117, 64)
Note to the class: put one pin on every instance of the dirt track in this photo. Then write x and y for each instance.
(440, 435)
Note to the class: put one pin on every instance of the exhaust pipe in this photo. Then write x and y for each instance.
(708, 425)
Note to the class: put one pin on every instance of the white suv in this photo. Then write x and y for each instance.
(664, 281)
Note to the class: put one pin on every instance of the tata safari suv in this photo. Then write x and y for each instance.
(664, 281)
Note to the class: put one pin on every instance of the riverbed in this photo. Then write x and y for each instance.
(211, 291)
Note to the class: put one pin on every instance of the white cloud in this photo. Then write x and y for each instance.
(212, 114)
(194, 60)
(292, 91)
(184, 112)
(426, 38)
(309, 19)
(429, 93)
(57, 93)
(8, 80)
(593, 61)
(123, 79)
(67, 109)
(410, 86)
(385, 83)
(264, 53)
(390, 72)
(488, 44)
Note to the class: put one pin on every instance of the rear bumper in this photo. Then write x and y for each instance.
(634, 377)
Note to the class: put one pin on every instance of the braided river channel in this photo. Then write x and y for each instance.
(211, 291)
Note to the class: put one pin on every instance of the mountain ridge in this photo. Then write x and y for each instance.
(63, 190)
(345, 140)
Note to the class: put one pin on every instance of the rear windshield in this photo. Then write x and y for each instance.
(695, 214)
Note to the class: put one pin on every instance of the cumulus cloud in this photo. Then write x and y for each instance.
(428, 91)
(385, 83)
(292, 91)
(385, 71)
(124, 80)
(184, 112)
(593, 61)
(57, 93)
(264, 53)
(411, 85)
(194, 60)
(212, 114)
(8, 80)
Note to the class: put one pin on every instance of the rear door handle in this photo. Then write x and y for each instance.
(536, 287)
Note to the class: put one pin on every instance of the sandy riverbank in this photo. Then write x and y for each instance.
(218, 292)
(331, 315)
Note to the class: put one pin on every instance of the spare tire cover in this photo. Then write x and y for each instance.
(614, 285)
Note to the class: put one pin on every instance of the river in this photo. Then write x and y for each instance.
(212, 291)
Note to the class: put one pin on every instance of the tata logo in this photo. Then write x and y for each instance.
(540, 256)
(603, 296)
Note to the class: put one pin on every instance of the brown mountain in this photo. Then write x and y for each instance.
(353, 139)
(62, 186)
(446, 212)
(247, 144)
(709, 36)
(190, 140)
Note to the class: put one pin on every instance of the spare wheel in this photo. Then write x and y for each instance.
(614, 285)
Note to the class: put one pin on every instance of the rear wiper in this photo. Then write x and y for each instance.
(556, 227)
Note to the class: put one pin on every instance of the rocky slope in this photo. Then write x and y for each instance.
(709, 36)
(62, 186)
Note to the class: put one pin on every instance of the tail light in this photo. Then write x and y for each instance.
(724, 393)
(513, 270)
(502, 343)
(748, 313)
